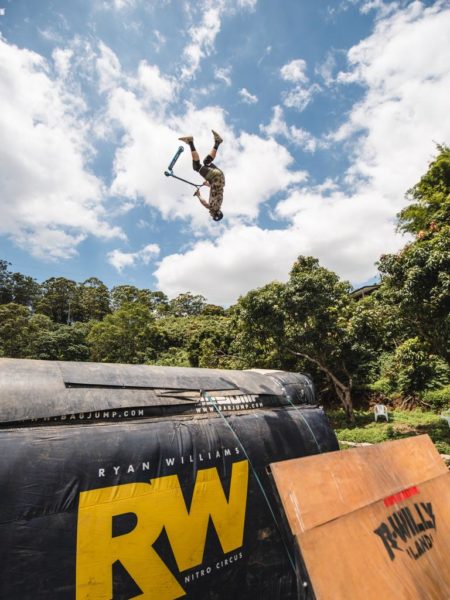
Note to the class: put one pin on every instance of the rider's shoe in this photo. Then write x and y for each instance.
(217, 137)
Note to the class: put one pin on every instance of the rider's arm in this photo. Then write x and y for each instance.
(202, 200)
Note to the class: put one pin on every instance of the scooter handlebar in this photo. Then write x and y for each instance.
(175, 158)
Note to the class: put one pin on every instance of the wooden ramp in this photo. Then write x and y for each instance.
(372, 522)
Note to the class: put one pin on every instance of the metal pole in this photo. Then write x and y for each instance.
(167, 174)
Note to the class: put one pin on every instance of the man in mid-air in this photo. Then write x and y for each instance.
(214, 177)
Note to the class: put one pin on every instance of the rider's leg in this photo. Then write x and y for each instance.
(189, 140)
(213, 152)
(211, 156)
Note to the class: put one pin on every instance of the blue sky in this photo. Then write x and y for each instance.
(330, 112)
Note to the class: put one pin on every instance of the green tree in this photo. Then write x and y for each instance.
(320, 326)
(124, 294)
(311, 321)
(156, 301)
(258, 322)
(417, 281)
(208, 342)
(52, 341)
(172, 357)
(60, 299)
(5, 298)
(412, 370)
(187, 304)
(17, 288)
(213, 310)
(93, 300)
(127, 335)
(14, 330)
(430, 207)
(25, 290)
(196, 341)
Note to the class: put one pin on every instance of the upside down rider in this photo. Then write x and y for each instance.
(214, 177)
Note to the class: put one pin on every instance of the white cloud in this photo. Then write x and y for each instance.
(247, 189)
(340, 7)
(2, 12)
(156, 86)
(142, 224)
(302, 138)
(120, 4)
(405, 70)
(203, 36)
(299, 97)
(49, 200)
(61, 58)
(294, 71)
(149, 83)
(247, 97)
(326, 69)
(390, 133)
(337, 228)
(266, 52)
(223, 74)
(160, 40)
(108, 68)
(251, 4)
(243, 258)
(382, 8)
(277, 125)
(50, 35)
(295, 135)
(302, 93)
(120, 260)
(202, 41)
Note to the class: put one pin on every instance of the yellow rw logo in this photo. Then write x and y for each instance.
(156, 504)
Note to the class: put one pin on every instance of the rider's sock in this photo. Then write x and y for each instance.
(191, 146)
(217, 144)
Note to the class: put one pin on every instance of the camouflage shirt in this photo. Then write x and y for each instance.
(216, 180)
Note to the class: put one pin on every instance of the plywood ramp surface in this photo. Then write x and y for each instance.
(371, 522)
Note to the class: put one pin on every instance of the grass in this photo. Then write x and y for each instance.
(402, 423)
